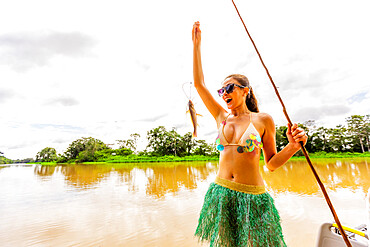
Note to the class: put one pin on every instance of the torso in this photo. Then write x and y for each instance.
(240, 167)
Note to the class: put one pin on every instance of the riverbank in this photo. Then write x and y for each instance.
(143, 159)
(152, 159)
(325, 155)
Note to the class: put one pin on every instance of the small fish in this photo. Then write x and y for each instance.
(193, 115)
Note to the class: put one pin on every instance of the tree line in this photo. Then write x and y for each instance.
(161, 142)
(352, 137)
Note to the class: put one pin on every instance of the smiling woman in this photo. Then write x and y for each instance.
(237, 209)
(251, 100)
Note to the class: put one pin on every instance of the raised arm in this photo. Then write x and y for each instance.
(217, 111)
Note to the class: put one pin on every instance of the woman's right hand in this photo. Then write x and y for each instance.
(196, 34)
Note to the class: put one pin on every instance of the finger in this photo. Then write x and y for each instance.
(297, 131)
(289, 130)
(194, 27)
(297, 136)
(302, 139)
(294, 127)
(197, 29)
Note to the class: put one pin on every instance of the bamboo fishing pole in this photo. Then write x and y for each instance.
(302, 147)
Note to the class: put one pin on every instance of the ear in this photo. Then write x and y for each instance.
(246, 90)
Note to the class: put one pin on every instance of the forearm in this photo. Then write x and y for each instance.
(281, 157)
(197, 67)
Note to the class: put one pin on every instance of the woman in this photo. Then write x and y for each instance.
(237, 210)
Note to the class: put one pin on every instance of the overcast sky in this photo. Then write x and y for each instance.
(107, 69)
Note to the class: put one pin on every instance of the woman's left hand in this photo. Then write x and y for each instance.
(295, 135)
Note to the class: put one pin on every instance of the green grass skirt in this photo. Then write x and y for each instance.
(235, 218)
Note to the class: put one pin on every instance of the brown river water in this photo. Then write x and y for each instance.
(158, 204)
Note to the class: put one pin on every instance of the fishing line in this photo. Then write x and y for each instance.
(302, 147)
(189, 98)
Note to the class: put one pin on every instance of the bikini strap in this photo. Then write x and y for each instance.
(223, 127)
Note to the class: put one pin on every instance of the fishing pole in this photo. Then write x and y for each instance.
(302, 147)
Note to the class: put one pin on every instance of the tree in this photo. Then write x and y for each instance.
(83, 149)
(187, 143)
(337, 139)
(367, 131)
(26, 160)
(129, 143)
(174, 143)
(4, 160)
(47, 154)
(358, 128)
(161, 142)
(281, 138)
(203, 148)
(309, 127)
(156, 141)
(321, 139)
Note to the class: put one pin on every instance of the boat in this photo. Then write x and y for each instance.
(329, 236)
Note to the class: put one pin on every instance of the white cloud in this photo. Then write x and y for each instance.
(6, 94)
(93, 68)
(64, 101)
(23, 51)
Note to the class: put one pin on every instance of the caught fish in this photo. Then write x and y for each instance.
(193, 115)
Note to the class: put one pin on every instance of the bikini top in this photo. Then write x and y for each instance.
(247, 142)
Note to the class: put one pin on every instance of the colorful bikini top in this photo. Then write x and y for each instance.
(247, 142)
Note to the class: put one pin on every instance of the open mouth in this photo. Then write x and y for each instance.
(228, 101)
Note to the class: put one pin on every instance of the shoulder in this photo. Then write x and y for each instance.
(264, 121)
(263, 118)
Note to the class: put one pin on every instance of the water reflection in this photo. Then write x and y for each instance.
(163, 178)
(296, 176)
(159, 179)
(44, 171)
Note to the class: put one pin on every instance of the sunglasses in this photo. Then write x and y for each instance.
(228, 89)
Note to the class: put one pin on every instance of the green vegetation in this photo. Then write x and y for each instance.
(354, 138)
(167, 158)
(46, 155)
(169, 146)
(4, 160)
(163, 146)
(170, 158)
(324, 155)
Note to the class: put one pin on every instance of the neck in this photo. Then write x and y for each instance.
(240, 110)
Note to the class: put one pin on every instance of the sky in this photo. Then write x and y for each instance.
(108, 69)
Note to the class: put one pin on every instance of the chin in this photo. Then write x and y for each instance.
(230, 107)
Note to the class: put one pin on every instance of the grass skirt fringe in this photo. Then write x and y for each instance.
(233, 217)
